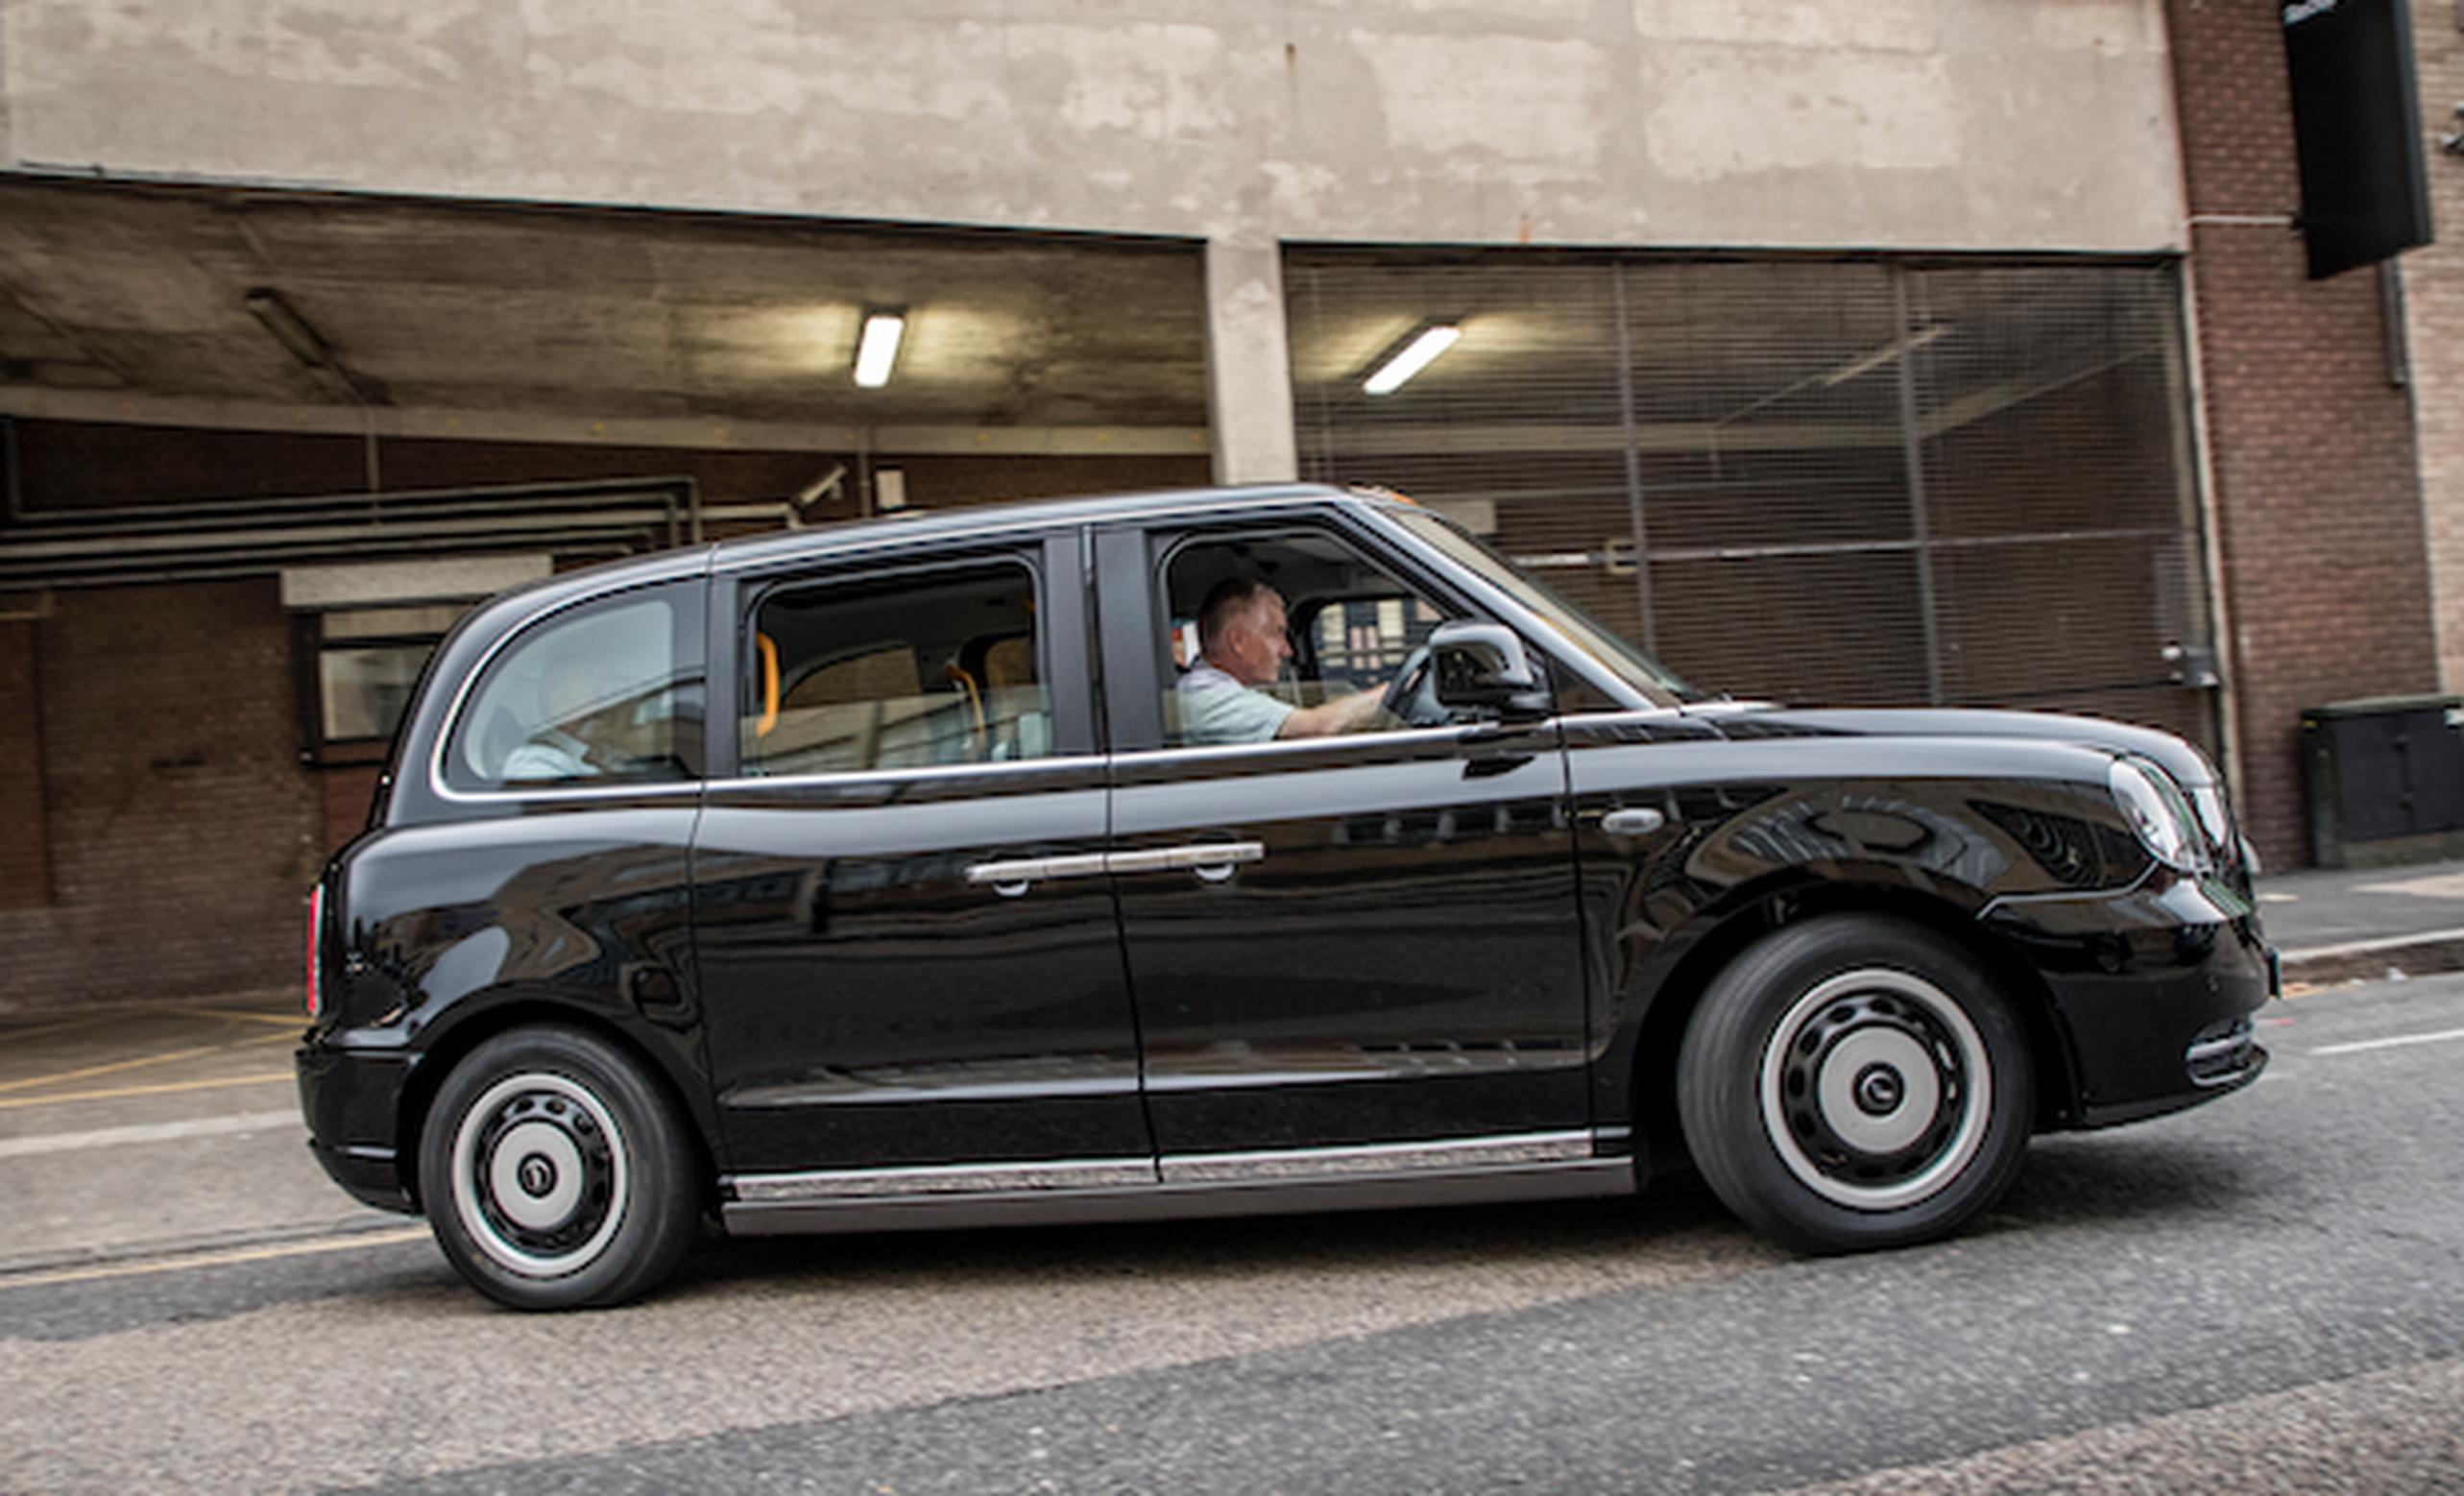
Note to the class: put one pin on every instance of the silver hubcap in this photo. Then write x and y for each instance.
(538, 1174)
(1875, 1088)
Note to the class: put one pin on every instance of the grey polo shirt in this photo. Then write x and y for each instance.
(1217, 709)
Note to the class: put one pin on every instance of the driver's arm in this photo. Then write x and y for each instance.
(1343, 714)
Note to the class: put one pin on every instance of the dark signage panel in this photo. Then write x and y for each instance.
(2358, 126)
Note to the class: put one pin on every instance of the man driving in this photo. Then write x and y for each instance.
(1242, 647)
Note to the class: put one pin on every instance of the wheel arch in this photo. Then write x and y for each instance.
(440, 1057)
(1651, 1038)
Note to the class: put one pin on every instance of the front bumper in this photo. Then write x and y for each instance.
(2152, 991)
(350, 1098)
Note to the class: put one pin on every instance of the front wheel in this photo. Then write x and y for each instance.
(556, 1173)
(1855, 1081)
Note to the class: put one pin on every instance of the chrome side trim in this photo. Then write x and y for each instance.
(1375, 1158)
(1275, 1165)
(823, 1184)
(1289, 747)
(1585, 1178)
(924, 773)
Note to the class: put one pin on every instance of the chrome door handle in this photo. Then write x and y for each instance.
(1015, 877)
(1633, 821)
(1211, 860)
(1214, 861)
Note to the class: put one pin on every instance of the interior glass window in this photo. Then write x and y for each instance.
(934, 668)
(1350, 626)
(608, 694)
(363, 666)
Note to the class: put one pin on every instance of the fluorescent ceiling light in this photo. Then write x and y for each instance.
(1417, 355)
(879, 348)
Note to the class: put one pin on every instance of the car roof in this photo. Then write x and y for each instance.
(855, 536)
(1032, 515)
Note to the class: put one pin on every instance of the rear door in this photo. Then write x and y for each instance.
(882, 1016)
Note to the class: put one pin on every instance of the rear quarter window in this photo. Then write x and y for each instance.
(607, 692)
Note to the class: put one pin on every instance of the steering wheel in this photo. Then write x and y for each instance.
(1412, 694)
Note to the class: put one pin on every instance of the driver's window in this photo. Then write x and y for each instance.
(1289, 634)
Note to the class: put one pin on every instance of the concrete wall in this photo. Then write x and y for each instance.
(1952, 124)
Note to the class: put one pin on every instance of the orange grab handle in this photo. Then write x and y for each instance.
(769, 721)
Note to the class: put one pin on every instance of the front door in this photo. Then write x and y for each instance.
(882, 1016)
(1350, 952)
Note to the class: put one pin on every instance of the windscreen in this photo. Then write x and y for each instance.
(1580, 633)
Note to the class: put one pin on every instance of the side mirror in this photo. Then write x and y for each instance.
(1482, 667)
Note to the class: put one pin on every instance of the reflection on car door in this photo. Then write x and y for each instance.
(1353, 952)
(878, 1020)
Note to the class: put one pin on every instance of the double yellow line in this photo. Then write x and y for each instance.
(118, 1067)
(52, 1277)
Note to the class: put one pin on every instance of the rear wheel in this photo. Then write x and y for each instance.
(1855, 1081)
(556, 1173)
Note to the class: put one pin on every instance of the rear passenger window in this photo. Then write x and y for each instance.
(609, 692)
(935, 669)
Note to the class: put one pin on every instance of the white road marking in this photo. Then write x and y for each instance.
(148, 1132)
(2395, 1041)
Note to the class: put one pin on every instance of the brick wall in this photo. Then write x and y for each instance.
(2317, 494)
(25, 841)
(2435, 304)
(183, 832)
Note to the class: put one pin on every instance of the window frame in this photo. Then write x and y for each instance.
(309, 646)
(1050, 562)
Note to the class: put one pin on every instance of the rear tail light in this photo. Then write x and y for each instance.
(316, 933)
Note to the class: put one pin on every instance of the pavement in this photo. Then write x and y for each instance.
(2346, 925)
(139, 1132)
(132, 1131)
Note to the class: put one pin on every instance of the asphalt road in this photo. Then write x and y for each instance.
(2267, 1293)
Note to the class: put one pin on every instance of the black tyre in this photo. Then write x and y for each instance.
(555, 1174)
(1855, 1081)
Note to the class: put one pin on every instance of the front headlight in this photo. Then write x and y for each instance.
(2153, 806)
(2207, 802)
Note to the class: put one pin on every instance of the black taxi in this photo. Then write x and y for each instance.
(1216, 852)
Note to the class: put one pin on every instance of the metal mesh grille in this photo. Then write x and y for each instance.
(1850, 481)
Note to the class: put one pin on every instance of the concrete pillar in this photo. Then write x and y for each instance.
(1248, 363)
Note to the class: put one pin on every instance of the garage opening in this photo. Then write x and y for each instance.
(1821, 480)
(261, 448)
